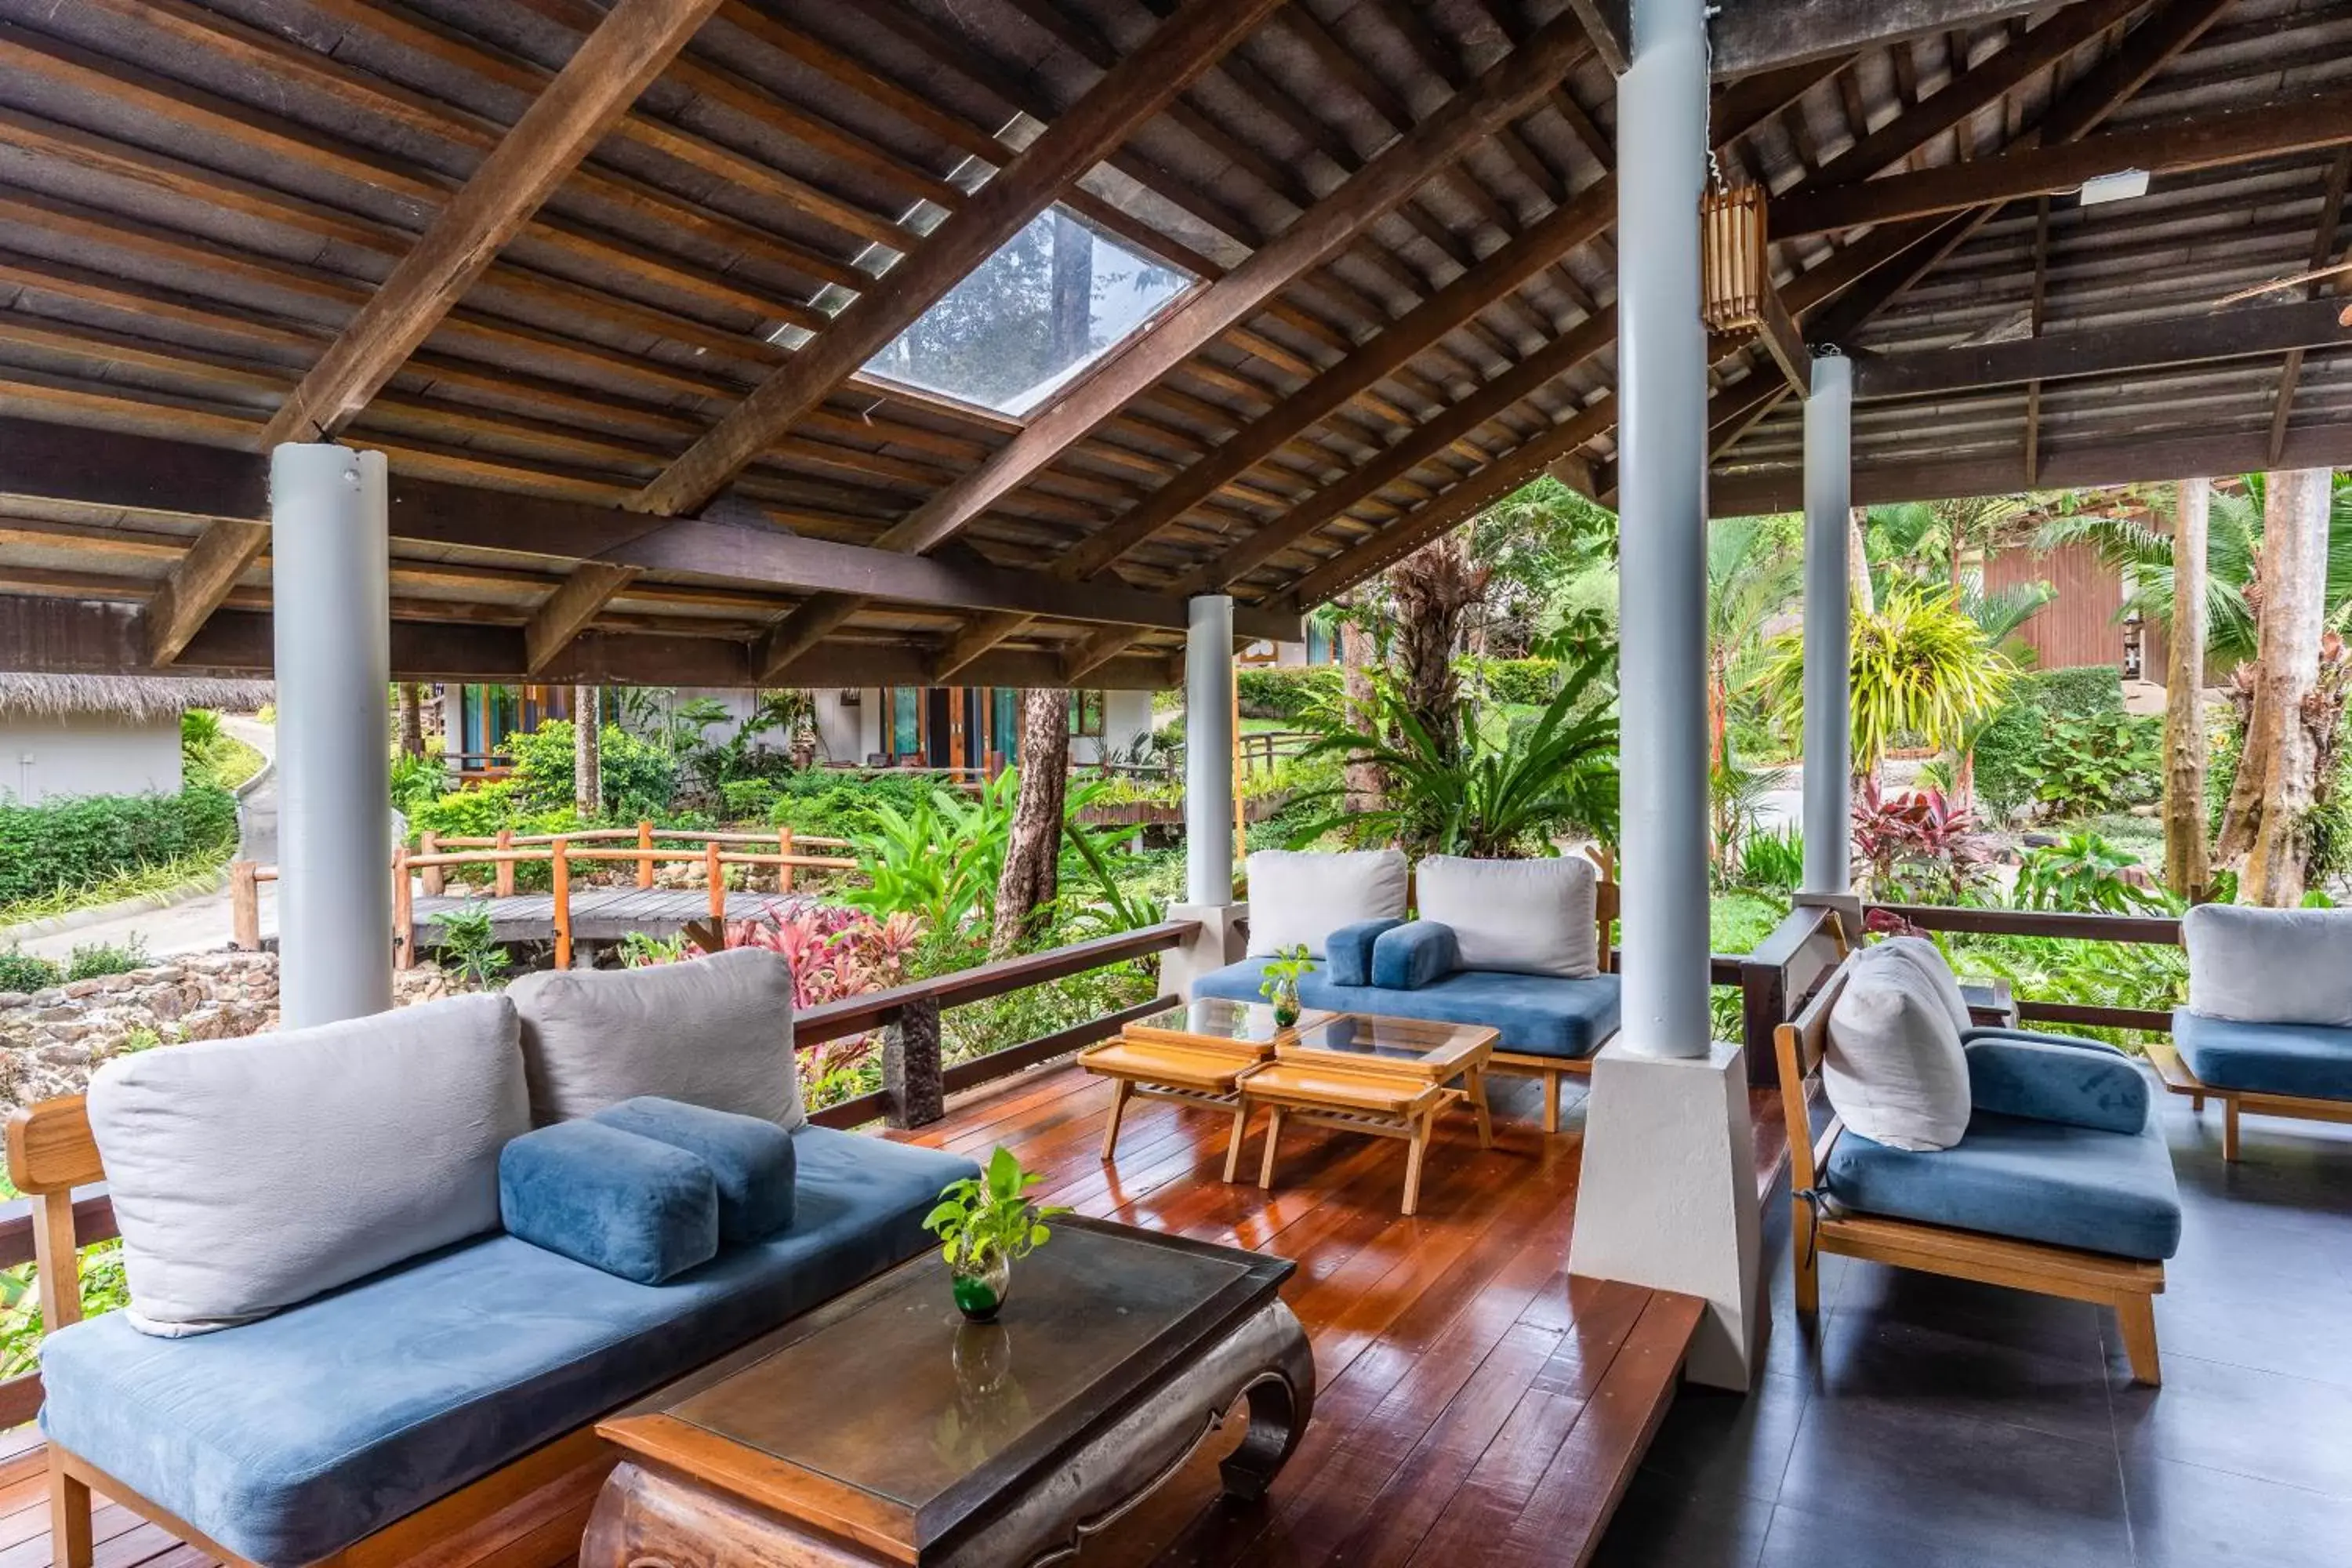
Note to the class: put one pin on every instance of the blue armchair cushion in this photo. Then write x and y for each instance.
(2043, 1081)
(1414, 954)
(1536, 1014)
(610, 1199)
(1347, 951)
(2309, 1061)
(287, 1439)
(750, 1159)
(2026, 1179)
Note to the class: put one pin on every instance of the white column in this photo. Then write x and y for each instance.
(1667, 1191)
(1209, 751)
(1828, 628)
(330, 591)
(1662, 541)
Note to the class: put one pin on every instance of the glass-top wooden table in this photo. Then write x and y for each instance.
(1191, 1053)
(881, 1427)
(1389, 1076)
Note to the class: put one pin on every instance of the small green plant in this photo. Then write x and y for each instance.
(20, 971)
(92, 960)
(470, 950)
(2085, 874)
(1774, 859)
(200, 731)
(641, 948)
(985, 1223)
(1282, 973)
(416, 781)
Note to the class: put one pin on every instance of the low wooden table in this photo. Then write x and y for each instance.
(1191, 1054)
(882, 1428)
(1388, 1077)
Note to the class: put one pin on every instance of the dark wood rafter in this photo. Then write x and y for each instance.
(2242, 333)
(2036, 321)
(2323, 251)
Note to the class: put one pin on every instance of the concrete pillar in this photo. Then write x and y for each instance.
(1667, 1194)
(1662, 106)
(1209, 751)
(1828, 628)
(331, 594)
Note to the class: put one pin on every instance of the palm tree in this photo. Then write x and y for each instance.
(1751, 577)
(1431, 592)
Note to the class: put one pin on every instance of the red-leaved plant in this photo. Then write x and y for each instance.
(1919, 845)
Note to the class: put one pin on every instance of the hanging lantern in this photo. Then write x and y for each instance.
(1735, 275)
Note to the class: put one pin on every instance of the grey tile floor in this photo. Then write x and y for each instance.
(1922, 1423)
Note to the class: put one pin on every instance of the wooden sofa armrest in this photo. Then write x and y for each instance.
(50, 1153)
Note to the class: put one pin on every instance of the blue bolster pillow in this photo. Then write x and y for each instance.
(751, 1161)
(1416, 954)
(610, 1199)
(2045, 1082)
(2038, 1037)
(1347, 951)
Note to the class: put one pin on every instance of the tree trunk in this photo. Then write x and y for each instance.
(1356, 658)
(2264, 823)
(1032, 859)
(587, 754)
(1857, 564)
(1432, 589)
(2187, 865)
(412, 719)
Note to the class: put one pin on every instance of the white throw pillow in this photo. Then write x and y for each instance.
(1928, 960)
(1894, 1070)
(249, 1174)
(1298, 897)
(715, 1032)
(2270, 966)
(1522, 917)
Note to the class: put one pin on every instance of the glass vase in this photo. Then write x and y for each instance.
(981, 1284)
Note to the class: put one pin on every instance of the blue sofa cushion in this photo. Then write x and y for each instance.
(1347, 951)
(1414, 954)
(2309, 1061)
(1535, 1013)
(289, 1438)
(2049, 1081)
(2026, 1179)
(750, 1159)
(609, 1199)
(2041, 1037)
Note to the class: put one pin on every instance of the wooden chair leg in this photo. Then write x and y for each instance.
(1806, 1257)
(2135, 1316)
(2229, 1131)
(1234, 1141)
(1551, 1100)
(69, 1531)
(1119, 1090)
(1415, 1147)
(1273, 1137)
(2197, 1104)
(1477, 1087)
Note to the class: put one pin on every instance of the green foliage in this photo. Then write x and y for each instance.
(416, 781)
(94, 960)
(2084, 874)
(1774, 860)
(1482, 796)
(468, 949)
(75, 844)
(842, 805)
(104, 1288)
(1922, 672)
(748, 800)
(2012, 746)
(210, 754)
(1287, 692)
(991, 1216)
(200, 731)
(638, 776)
(21, 970)
(1284, 971)
(2095, 764)
(480, 810)
(941, 860)
(2087, 974)
(1515, 682)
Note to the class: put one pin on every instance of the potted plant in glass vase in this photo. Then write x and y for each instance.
(1279, 984)
(987, 1224)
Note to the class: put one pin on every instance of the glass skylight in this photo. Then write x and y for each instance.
(1055, 298)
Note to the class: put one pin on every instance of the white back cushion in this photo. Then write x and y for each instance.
(714, 1031)
(1524, 917)
(2270, 966)
(252, 1174)
(1928, 960)
(1302, 896)
(1894, 1070)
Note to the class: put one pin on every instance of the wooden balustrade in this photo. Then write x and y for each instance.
(2153, 931)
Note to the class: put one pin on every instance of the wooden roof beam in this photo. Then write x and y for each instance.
(2323, 250)
(566, 613)
(1131, 93)
(1758, 35)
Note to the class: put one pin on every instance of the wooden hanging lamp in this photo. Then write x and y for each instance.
(1736, 294)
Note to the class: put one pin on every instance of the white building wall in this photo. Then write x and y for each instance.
(56, 759)
(1126, 718)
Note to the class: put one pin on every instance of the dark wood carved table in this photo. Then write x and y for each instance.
(882, 1428)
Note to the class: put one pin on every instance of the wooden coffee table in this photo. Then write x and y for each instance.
(1388, 1077)
(883, 1429)
(1191, 1054)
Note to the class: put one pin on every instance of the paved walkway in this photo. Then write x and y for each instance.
(201, 922)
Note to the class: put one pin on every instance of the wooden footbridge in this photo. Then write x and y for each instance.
(572, 910)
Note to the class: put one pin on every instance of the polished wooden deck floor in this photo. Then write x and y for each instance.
(1473, 1402)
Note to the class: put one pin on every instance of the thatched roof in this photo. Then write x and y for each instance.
(134, 698)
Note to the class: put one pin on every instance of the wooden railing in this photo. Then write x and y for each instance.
(2154, 931)
(434, 856)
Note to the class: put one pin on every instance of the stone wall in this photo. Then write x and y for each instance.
(51, 1040)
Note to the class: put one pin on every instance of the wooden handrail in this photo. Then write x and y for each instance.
(2161, 931)
(877, 1009)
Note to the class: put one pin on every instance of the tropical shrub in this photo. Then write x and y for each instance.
(2014, 741)
(2084, 873)
(1286, 692)
(416, 782)
(1774, 860)
(639, 777)
(2089, 767)
(1517, 682)
(47, 849)
(842, 805)
(939, 862)
(467, 948)
(1921, 847)
(93, 960)
(21, 970)
(1922, 672)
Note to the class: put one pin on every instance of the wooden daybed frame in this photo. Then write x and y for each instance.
(2180, 1078)
(2129, 1285)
